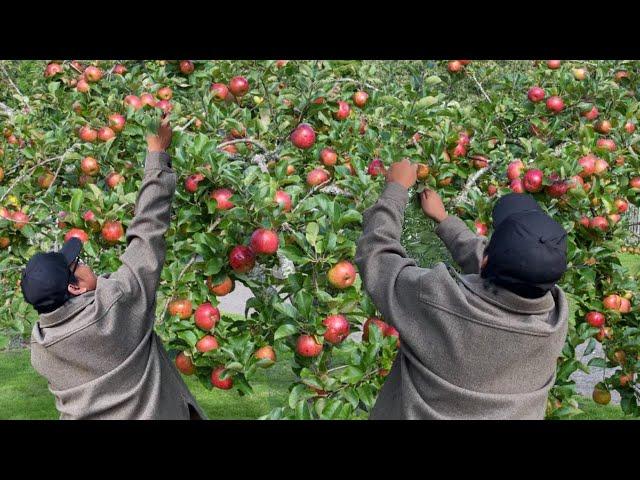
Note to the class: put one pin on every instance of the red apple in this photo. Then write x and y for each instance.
(599, 223)
(603, 126)
(584, 221)
(222, 196)
(611, 302)
(557, 189)
(105, 134)
(20, 219)
(92, 74)
(217, 381)
(382, 326)
(343, 110)
(46, 179)
(191, 182)
(360, 98)
(306, 346)
(207, 343)
(264, 241)
(221, 289)
(553, 64)
(459, 151)
(119, 69)
(634, 182)
(117, 122)
(481, 228)
(591, 114)
(164, 93)
(283, 199)
(625, 305)
(480, 161)
(492, 190)
(181, 307)
(579, 73)
(303, 136)
(532, 180)
(164, 105)
(601, 166)
(281, 63)
(454, 66)
(206, 316)
(317, 176)
(88, 216)
(535, 94)
(89, 166)
(621, 205)
(113, 179)
(514, 170)
(239, 86)
(219, 91)
(342, 275)
(52, 69)
(516, 186)
(184, 364)
(146, 99)
(82, 86)
(588, 164)
(555, 104)
(630, 127)
(266, 353)
(595, 319)
(376, 167)
(242, 259)
(87, 134)
(186, 67)
(337, 328)
(133, 101)
(77, 233)
(328, 156)
(606, 144)
(112, 231)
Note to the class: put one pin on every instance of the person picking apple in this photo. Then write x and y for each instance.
(94, 340)
(480, 344)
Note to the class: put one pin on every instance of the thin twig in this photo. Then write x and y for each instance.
(311, 192)
(343, 80)
(186, 125)
(55, 175)
(480, 87)
(29, 172)
(464, 193)
(22, 97)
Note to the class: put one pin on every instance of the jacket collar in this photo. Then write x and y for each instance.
(70, 308)
(505, 299)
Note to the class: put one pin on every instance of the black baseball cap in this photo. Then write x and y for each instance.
(47, 275)
(528, 249)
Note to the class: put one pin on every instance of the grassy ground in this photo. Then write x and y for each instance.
(24, 394)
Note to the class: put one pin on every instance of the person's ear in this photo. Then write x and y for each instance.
(76, 290)
(485, 259)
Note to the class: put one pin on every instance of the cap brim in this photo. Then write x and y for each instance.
(513, 203)
(71, 249)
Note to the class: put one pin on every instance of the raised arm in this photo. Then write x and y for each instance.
(144, 256)
(388, 275)
(466, 248)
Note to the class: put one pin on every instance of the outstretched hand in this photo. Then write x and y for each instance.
(403, 172)
(432, 205)
(162, 139)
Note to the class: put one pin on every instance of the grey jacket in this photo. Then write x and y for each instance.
(98, 351)
(469, 349)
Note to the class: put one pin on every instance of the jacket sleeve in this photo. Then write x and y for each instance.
(142, 262)
(389, 276)
(466, 248)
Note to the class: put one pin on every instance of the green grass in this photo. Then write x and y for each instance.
(24, 394)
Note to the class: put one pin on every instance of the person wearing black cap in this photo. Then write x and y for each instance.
(94, 340)
(481, 344)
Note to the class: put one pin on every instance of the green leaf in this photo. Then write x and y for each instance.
(597, 362)
(351, 375)
(312, 233)
(350, 216)
(76, 200)
(285, 330)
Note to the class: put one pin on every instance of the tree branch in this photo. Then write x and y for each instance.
(8, 111)
(480, 87)
(464, 193)
(24, 99)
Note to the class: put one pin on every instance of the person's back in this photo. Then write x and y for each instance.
(94, 341)
(471, 348)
